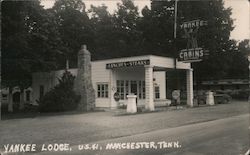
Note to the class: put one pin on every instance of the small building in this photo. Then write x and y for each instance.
(14, 100)
(144, 76)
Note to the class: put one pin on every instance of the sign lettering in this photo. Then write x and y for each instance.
(193, 23)
(192, 55)
(127, 64)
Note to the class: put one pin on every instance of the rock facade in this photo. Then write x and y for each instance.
(83, 83)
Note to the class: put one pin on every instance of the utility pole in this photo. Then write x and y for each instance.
(175, 17)
(249, 76)
(176, 92)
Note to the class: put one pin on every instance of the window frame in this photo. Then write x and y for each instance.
(157, 93)
(102, 90)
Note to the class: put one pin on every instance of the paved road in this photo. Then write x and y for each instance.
(92, 127)
(229, 136)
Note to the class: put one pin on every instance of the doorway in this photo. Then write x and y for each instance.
(133, 87)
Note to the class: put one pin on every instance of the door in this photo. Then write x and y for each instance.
(133, 88)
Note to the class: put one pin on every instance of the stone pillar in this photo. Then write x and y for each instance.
(112, 81)
(190, 93)
(149, 100)
(83, 83)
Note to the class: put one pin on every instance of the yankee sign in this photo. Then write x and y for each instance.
(192, 53)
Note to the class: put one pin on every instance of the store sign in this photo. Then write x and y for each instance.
(192, 55)
(128, 64)
(193, 52)
(193, 23)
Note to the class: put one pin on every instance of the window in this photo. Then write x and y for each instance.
(102, 90)
(126, 88)
(120, 88)
(157, 92)
(41, 91)
(141, 90)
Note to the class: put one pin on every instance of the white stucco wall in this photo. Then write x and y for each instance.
(102, 75)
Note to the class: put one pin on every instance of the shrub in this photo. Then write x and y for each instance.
(62, 97)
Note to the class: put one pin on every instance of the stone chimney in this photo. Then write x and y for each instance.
(83, 84)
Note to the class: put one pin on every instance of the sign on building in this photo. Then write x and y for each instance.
(127, 64)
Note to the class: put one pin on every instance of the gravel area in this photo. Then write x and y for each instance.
(90, 127)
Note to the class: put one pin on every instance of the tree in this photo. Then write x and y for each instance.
(158, 34)
(102, 23)
(115, 35)
(126, 34)
(74, 27)
(28, 42)
(215, 37)
(239, 64)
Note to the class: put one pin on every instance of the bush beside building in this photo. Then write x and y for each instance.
(62, 97)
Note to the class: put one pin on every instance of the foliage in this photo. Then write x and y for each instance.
(62, 97)
(29, 41)
(74, 28)
(36, 39)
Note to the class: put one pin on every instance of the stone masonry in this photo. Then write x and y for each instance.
(83, 83)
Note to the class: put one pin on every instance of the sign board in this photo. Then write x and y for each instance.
(176, 94)
(192, 55)
(193, 23)
(117, 96)
(128, 64)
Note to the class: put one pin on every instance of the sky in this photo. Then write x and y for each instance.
(240, 13)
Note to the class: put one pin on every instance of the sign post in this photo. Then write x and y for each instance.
(176, 97)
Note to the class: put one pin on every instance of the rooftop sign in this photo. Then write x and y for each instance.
(127, 64)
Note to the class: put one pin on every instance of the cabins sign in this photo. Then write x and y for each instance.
(192, 53)
(127, 64)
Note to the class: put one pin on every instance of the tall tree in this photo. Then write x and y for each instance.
(102, 23)
(125, 26)
(28, 42)
(215, 37)
(158, 34)
(74, 27)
